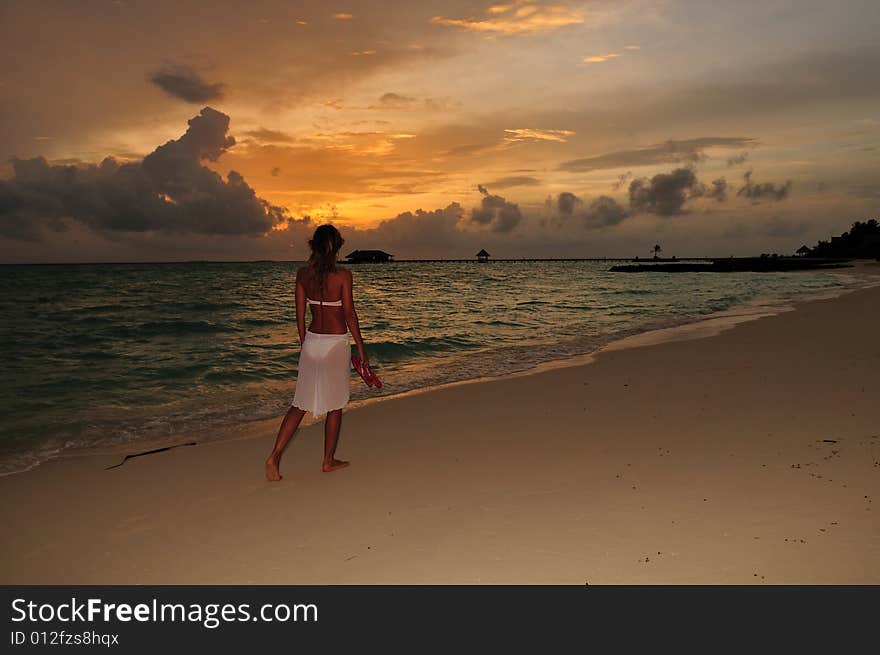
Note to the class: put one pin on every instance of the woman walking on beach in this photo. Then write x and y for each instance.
(325, 355)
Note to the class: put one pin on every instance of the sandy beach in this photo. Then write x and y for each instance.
(737, 456)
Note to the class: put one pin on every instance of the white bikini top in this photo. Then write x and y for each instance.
(334, 303)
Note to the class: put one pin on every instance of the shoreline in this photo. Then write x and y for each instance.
(749, 456)
(690, 328)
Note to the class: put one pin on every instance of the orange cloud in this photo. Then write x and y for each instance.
(523, 134)
(596, 59)
(361, 143)
(517, 18)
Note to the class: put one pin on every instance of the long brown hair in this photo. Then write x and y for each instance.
(325, 244)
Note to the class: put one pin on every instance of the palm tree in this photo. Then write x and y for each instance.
(657, 250)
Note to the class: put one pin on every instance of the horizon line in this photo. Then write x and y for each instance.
(406, 260)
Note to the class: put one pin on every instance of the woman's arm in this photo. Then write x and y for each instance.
(351, 317)
(300, 307)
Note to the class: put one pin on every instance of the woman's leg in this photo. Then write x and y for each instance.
(285, 432)
(331, 437)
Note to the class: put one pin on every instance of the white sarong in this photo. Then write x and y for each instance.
(324, 373)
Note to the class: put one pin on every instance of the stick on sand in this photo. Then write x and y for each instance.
(150, 452)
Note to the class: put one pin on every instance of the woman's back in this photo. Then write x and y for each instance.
(328, 316)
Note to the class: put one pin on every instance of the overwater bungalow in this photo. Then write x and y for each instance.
(368, 256)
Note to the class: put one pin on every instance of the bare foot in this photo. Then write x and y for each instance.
(272, 474)
(333, 465)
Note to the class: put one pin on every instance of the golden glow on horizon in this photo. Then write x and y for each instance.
(368, 211)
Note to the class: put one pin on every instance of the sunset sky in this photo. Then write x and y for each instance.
(143, 131)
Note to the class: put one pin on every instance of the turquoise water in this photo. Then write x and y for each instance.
(105, 354)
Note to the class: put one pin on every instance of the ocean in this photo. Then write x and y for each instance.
(98, 356)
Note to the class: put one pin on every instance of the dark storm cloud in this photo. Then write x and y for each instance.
(622, 179)
(186, 84)
(717, 191)
(169, 191)
(737, 159)
(514, 180)
(671, 151)
(603, 211)
(496, 212)
(664, 193)
(567, 202)
(766, 191)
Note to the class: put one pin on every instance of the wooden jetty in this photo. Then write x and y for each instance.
(661, 264)
(543, 259)
(736, 264)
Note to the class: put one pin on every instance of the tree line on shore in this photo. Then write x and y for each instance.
(862, 241)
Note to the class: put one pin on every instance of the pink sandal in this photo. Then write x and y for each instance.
(363, 371)
(373, 377)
